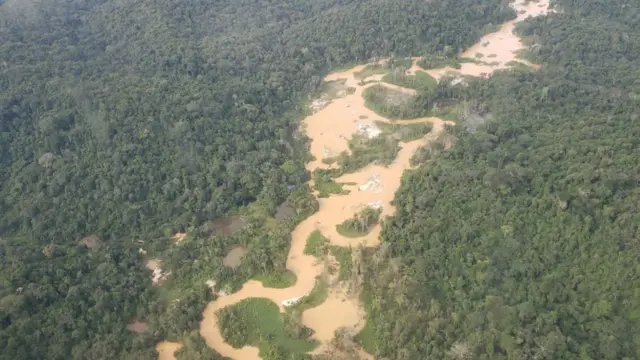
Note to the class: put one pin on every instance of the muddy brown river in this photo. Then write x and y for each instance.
(329, 130)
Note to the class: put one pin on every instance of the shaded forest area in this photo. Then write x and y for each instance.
(521, 242)
(131, 120)
(133, 117)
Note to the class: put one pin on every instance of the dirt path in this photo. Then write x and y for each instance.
(329, 130)
(167, 349)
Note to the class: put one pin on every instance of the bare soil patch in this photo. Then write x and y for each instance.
(166, 350)
(137, 326)
(225, 226)
(177, 237)
(234, 257)
(284, 211)
(92, 242)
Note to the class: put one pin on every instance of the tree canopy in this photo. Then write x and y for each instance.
(131, 120)
(520, 241)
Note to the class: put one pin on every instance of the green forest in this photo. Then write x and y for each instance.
(129, 121)
(521, 241)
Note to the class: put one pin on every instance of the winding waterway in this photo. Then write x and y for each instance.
(329, 130)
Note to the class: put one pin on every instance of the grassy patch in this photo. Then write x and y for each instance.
(329, 160)
(325, 185)
(278, 280)
(258, 322)
(389, 103)
(405, 133)
(434, 61)
(370, 70)
(364, 151)
(316, 244)
(366, 338)
(517, 65)
(463, 60)
(360, 224)
(316, 297)
(366, 82)
(420, 81)
(343, 256)
(440, 61)
(350, 232)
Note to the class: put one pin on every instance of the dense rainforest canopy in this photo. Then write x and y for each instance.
(130, 120)
(123, 117)
(521, 242)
